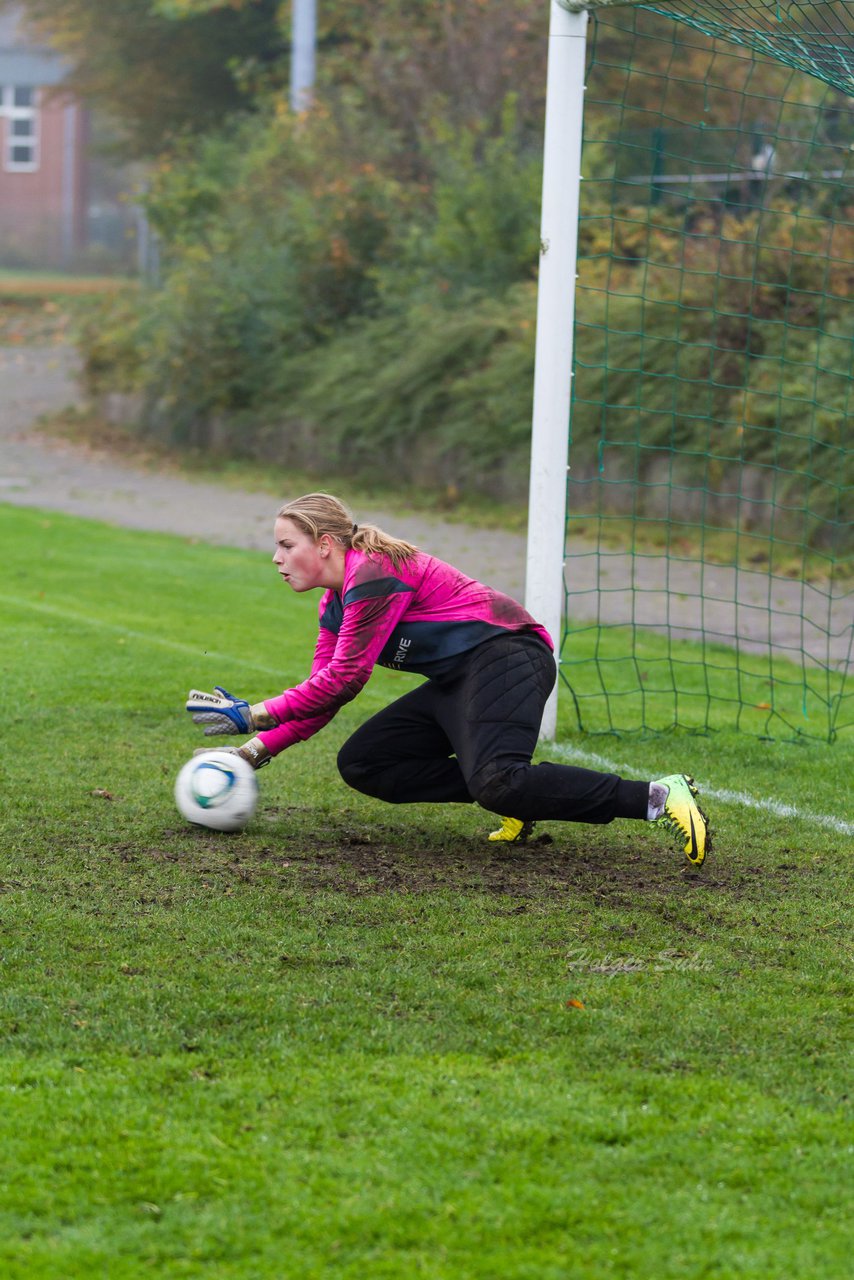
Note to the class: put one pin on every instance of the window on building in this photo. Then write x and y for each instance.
(19, 108)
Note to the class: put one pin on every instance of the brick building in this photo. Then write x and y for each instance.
(43, 169)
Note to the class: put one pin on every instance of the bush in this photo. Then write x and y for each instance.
(316, 307)
(441, 394)
(282, 239)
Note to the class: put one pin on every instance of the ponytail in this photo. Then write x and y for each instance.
(320, 513)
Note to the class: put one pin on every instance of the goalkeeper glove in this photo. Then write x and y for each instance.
(253, 752)
(222, 713)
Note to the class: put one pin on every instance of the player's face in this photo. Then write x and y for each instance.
(301, 562)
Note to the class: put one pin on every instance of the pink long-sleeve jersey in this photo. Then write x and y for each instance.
(422, 616)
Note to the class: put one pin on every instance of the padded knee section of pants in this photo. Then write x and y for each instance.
(497, 789)
(359, 775)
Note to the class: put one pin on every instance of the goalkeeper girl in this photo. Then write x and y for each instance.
(469, 731)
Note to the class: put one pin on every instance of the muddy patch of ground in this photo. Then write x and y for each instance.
(623, 872)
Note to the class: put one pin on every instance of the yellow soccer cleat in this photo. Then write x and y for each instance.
(512, 831)
(683, 815)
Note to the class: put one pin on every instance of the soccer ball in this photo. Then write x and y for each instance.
(217, 789)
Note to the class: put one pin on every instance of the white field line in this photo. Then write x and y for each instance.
(148, 637)
(778, 807)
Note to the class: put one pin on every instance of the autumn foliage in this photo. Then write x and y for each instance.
(359, 281)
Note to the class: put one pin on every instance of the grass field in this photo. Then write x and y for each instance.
(56, 284)
(39, 307)
(358, 1041)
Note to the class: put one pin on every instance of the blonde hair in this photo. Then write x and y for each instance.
(320, 513)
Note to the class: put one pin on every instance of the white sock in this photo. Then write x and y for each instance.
(658, 794)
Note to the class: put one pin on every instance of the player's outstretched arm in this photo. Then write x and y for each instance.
(220, 712)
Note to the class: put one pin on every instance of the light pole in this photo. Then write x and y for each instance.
(303, 45)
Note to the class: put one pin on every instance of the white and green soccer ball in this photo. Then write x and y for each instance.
(217, 789)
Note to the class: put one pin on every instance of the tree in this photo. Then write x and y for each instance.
(161, 68)
(460, 57)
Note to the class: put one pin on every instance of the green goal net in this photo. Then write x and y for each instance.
(709, 535)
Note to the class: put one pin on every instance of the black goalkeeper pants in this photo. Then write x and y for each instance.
(471, 738)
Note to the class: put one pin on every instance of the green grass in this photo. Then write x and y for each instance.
(340, 1044)
(56, 284)
(40, 308)
(654, 683)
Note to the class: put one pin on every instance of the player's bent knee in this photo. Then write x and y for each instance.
(498, 791)
(351, 768)
(359, 774)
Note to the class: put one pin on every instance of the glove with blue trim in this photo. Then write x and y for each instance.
(222, 713)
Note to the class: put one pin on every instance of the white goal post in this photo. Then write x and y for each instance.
(544, 587)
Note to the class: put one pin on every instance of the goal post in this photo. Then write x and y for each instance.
(544, 586)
